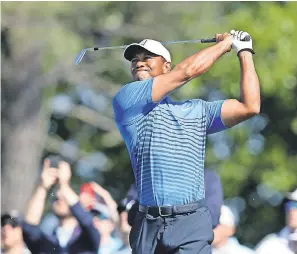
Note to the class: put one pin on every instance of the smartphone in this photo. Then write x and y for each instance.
(54, 161)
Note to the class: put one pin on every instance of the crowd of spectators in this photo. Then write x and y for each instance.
(92, 222)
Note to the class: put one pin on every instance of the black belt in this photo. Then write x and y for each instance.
(165, 211)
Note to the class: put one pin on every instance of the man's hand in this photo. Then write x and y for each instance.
(99, 189)
(108, 199)
(37, 202)
(64, 173)
(48, 175)
(226, 37)
(64, 176)
(239, 45)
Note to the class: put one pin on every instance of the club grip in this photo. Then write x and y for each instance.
(208, 40)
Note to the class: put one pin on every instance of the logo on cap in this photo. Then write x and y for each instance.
(143, 42)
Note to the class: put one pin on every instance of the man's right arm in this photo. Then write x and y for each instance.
(190, 68)
(37, 202)
(36, 206)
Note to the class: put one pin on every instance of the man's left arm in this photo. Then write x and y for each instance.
(233, 111)
(84, 218)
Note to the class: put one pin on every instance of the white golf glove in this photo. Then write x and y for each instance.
(240, 42)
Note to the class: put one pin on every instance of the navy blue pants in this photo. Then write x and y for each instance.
(189, 233)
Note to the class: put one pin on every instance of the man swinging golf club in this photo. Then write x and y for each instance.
(166, 140)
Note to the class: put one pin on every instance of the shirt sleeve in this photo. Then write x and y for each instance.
(32, 236)
(214, 117)
(85, 220)
(133, 101)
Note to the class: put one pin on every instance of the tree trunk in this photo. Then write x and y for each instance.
(24, 127)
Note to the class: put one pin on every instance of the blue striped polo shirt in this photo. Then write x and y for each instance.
(166, 142)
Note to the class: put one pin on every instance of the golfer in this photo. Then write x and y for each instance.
(166, 140)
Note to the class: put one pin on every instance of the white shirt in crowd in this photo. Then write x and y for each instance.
(110, 247)
(232, 247)
(64, 235)
(278, 243)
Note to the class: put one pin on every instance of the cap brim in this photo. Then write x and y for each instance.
(131, 49)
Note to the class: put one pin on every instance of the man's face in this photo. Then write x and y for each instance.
(60, 207)
(292, 214)
(146, 65)
(11, 236)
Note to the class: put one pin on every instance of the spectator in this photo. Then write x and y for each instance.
(87, 196)
(106, 226)
(76, 232)
(224, 240)
(124, 226)
(285, 242)
(132, 200)
(92, 195)
(12, 235)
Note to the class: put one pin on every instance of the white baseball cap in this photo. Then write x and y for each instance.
(227, 217)
(152, 46)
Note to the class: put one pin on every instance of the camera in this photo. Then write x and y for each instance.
(55, 160)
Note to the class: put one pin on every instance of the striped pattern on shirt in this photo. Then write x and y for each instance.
(166, 142)
(170, 153)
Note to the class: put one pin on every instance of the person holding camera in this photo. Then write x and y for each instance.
(76, 232)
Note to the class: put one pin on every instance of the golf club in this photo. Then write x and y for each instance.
(83, 52)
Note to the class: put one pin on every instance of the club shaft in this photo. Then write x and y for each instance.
(164, 43)
(83, 52)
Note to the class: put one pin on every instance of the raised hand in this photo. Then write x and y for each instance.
(240, 43)
(64, 173)
(227, 37)
(48, 175)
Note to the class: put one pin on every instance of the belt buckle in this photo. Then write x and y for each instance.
(160, 212)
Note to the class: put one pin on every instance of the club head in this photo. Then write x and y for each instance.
(80, 56)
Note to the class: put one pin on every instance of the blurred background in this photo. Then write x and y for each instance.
(51, 106)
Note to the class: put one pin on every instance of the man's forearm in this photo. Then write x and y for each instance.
(250, 89)
(112, 206)
(36, 206)
(69, 194)
(200, 63)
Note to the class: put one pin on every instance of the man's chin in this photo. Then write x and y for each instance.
(142, 77)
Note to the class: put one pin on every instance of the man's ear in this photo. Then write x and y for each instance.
(166, 67)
